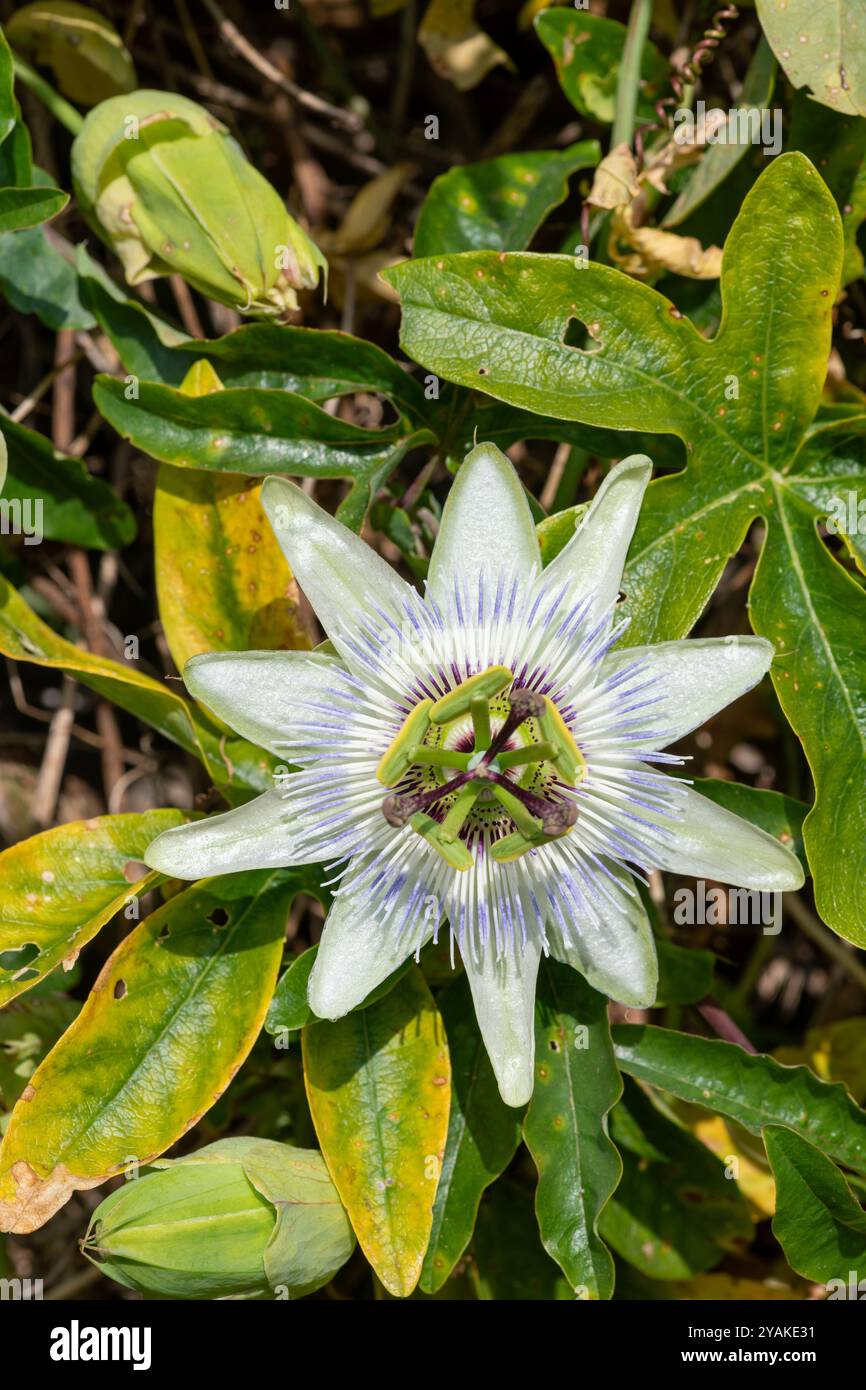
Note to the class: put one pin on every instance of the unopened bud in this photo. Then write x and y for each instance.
(240, 1218)
(166, 186)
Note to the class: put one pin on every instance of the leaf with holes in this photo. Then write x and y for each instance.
(378, 1083)
(743, 404)
(61, 887)
(172, 1016)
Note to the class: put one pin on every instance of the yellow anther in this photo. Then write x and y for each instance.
(485, 685)
(453, 851)
(516, 845)
(397, 758)
(567, 757)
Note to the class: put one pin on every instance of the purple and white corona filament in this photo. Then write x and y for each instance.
(484, 755)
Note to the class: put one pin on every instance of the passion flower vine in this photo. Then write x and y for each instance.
(484, 755)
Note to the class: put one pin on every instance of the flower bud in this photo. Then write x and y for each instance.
(165, 185)
(241, 1218)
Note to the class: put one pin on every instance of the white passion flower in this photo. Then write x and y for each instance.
(484, 754)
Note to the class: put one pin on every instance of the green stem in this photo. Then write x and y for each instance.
(629, 73)
(57, 105)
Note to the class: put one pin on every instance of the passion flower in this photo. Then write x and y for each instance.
(484, 754)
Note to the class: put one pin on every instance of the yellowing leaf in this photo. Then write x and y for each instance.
(60, 887)
(653, 250)
(367, 220)
(754, 1180)
(455, 46)
(173, 1014)
(221, 579)
(82, 47)
(835, 1052)
(379, 1086)
(615, 182)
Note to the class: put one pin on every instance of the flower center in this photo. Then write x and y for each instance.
(461, 774)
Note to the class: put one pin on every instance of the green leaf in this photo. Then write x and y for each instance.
(511, 1264)
(172, 1016)
(256, 432)
(483, 1135)
(28, 207)
(819, 1223)
(316, 363)
(576, 1084)
(675, 1213)
(718, 160)
(378, 1083)
(836, 145)
(500, 204)
(822, 48)
(587, 50)
(685, 973)
(755, 1090)
(36, 278)
(742, 405)
(61, 887)
(235, 765)
(289, 1010)
(554, 532)
(73, 505)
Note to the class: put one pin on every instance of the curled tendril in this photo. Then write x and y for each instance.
(701, 56)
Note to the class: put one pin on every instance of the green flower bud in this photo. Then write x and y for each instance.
(241, 1218)
(166, 186)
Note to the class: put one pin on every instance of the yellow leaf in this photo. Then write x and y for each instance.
(367, 220)
(379, 1087)
(754, 1180)
(221, 579)
(615, 182)
(835, 1052)
(455, 46)
(653, 250)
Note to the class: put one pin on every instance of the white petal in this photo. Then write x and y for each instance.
(356, 953)
(612, 945)
(503, 992)
(340, 574)
(710, 842)
(261, 694)
(487, 527)
(257, 835)
(695, 678)
(593, 561)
